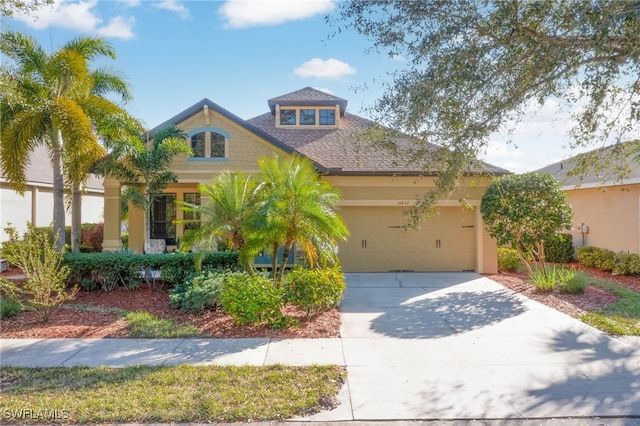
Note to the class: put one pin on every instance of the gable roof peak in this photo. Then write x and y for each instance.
(307, 96)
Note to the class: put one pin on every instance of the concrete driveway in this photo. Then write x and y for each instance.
(460, 346)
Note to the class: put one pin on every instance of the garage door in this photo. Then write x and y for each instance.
(378, 242)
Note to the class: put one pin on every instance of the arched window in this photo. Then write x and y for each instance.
(217, 145)
(198, 142)
(208, 143)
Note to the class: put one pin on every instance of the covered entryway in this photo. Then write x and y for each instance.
(379, 242)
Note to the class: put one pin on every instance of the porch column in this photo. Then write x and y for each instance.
(34, 205)
(111, 239)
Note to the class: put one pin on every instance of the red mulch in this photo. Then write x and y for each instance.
(98, 320)
(593, 298)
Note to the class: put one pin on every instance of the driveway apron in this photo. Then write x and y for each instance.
(460, 346)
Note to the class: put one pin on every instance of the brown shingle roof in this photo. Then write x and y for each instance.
(340, 150)
(619, 166)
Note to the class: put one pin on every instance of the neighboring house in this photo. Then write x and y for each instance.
(606, 211)
(377, 188)
(36, 205)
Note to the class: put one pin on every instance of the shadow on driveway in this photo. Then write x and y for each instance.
(451, 313)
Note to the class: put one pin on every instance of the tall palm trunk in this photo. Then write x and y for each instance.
(58, 191)
(76, 217)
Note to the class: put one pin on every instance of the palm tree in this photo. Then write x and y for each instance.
(229, 214)
(299, 207)
(52, 100)
(143, 168)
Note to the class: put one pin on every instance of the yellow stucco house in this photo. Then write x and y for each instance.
(376, 187)
(606, 211)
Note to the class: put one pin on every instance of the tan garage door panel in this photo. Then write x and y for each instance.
(379, 243)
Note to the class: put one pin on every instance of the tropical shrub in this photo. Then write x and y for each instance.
(314, 290)
(508, 259)
(252, 299)
(110, 270)
(92, 237)
(523, 211)
(37, 256)
(588, 255)
(198, 292)
(627, 264)
(606, 260)
(559, 248)
(9, 307)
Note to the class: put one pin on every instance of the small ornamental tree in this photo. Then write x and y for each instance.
(525, 210)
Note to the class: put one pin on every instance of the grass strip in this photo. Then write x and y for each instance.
(143, 325)
(621, 318)
(177, 394)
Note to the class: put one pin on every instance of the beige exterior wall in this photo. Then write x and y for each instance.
(400, 193)
(364, 196)
(612, 215)
(243, 149)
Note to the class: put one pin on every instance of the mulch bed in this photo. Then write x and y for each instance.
(96, 319)
(593, 298)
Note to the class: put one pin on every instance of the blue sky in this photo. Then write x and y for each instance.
(241, 53)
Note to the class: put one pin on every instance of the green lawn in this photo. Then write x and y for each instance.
(619, 318)
(166, 394)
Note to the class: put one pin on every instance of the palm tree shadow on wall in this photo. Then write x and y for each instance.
(451, 313)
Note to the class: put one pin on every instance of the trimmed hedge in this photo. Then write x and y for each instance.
(608, 260)
(594, 257)
(559, 249)
(111, 270)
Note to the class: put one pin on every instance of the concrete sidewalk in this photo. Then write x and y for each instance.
(417, 347)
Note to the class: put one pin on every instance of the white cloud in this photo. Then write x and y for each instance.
(325, 90)
(118, 27)
(252, 13)
(174, 6)
(324, 69)
(398, 58)
(79, 16)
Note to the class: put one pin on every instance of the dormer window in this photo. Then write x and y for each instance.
(288, 117)
(305, 117)
(327, 117)
(308, 117)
